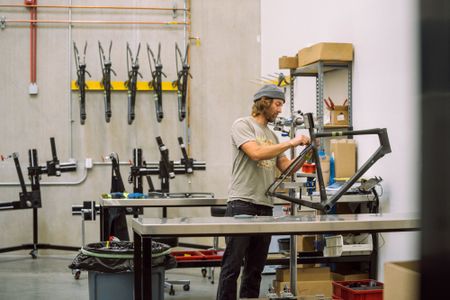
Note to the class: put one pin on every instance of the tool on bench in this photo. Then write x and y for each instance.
(182, 80)
(156, 82)
(105, 63)
(131, 83)
(81, 79)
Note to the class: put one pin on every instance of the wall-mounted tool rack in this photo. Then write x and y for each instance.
(92, 85)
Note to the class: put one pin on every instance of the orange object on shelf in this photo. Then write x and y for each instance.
(197, 255)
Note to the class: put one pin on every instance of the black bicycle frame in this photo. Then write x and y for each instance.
(326, 204)
(81, 80)
(156, 82)
(106, 64)
(131, 83)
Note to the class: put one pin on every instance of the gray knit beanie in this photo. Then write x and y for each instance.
(270, 91)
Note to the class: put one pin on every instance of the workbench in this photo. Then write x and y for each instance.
(107, 203)
(145, 229)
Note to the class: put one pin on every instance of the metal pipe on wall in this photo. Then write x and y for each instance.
(187, 34)
(70, 6)
(69, 61)
(80, 181)
(33, 90)
(101, 22)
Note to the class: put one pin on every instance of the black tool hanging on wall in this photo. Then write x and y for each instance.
(156, 82)
(182, 80)
(81, 79)
(131, 83)
(32, 199)
(105, 63)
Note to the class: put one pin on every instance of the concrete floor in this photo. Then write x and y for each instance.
(48, 277)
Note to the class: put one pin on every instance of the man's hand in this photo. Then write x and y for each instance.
(300, 140)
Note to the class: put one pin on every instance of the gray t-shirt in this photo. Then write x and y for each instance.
(250, 179)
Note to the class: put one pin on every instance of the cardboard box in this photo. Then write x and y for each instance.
(339, 115)
(401, 280)
(350, 276)
(305, 243)
(325, 51)
(344, 157)
(303, 274)
(307, 288)
(325, 165)
(288, 62)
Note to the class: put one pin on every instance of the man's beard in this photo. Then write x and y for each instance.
(270, 116)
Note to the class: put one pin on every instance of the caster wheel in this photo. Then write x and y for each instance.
(172, 291)
(204, 272)
(77, 275)
(186, 287)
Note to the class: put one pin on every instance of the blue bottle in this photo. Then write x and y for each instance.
(332, 175)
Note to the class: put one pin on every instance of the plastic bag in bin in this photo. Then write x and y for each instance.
(117, 257)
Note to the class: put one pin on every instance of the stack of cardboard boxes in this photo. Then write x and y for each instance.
(333, 52)
(313, 280)
(310, 281)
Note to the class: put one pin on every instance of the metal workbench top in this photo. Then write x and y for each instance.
(277, 225)
(205, 201)
(160, 202)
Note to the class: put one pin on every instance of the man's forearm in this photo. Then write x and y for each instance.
(270, 151)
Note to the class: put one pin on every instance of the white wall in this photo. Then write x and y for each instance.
(220, 92)
(385, 85)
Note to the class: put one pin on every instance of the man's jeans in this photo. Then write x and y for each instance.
(251, 250)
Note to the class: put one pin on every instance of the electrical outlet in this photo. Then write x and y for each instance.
(88, 163)
(33, 89)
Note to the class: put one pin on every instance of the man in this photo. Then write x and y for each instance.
(256, 155)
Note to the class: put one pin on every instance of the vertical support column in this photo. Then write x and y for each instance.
(104, 220)
(349, 94)
(373, 270)
(434, 174)
(319, 95)
(137, 261)
(293, 239)
(35, 229)
(147, 267)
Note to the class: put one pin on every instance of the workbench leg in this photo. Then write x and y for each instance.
(103, 223)
(147, 267)
(137, 260)
(373, 270)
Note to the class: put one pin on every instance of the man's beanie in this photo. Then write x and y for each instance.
(270, 91)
